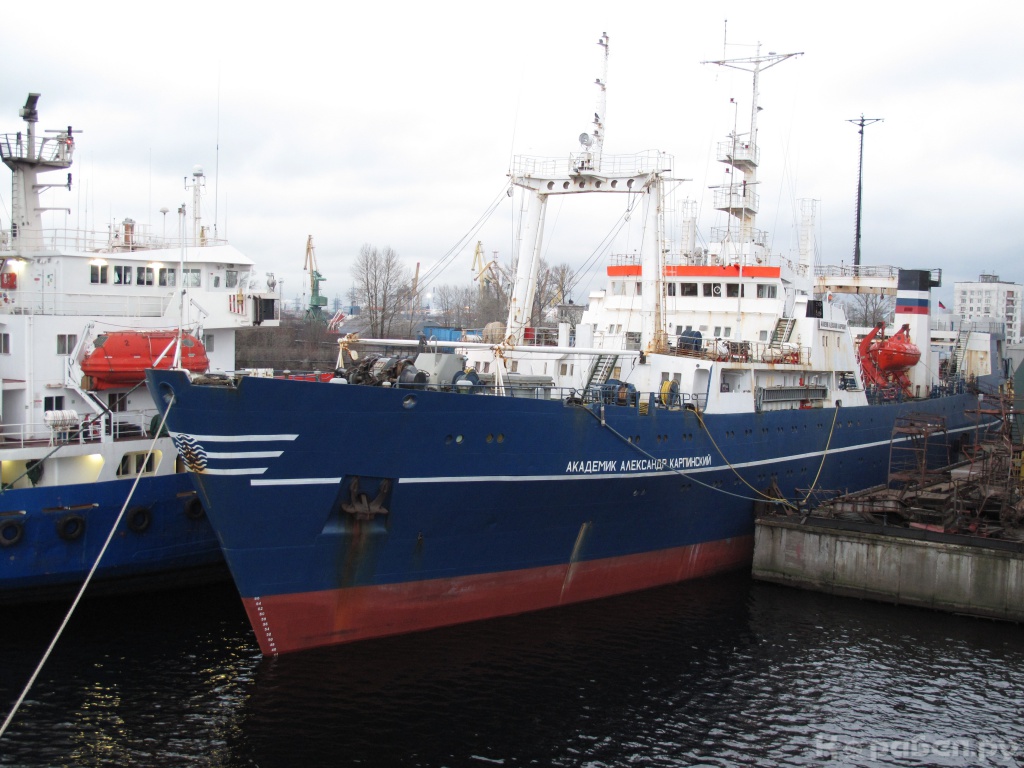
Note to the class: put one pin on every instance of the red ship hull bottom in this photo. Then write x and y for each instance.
(293, 622)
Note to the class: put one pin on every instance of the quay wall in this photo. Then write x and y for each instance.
(959, 578)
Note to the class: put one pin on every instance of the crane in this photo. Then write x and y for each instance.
(484, 271)
(317, 301)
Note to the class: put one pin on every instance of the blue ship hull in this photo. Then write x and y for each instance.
(50, 537)
(349, 512)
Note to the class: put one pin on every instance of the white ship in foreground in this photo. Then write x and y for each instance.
(82, 314)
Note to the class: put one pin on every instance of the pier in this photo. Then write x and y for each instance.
(940, 535)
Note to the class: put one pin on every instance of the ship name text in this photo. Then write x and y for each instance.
(637, 465)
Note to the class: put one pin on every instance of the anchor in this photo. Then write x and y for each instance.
(360, 504)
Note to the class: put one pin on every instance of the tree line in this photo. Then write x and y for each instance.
(392, 307)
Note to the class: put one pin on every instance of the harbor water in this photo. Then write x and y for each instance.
(718, 673)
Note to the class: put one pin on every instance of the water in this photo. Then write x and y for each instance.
(723, 672)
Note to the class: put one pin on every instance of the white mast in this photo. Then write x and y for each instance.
(27, 157)
(739, 198)
(580, 174)
(528, 266)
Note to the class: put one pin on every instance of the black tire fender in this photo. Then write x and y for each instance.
(11, 532)
(71, 527)
(194, 509)
(139, 519)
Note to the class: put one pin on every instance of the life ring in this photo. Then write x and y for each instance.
(71, 527)
(139, 519)
(194, 509)
(11, 532)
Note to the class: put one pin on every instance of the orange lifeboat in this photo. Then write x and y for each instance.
(120, 358)
(897, 353)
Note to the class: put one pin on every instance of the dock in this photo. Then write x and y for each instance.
(937, 535)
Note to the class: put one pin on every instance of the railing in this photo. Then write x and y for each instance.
(94, 241)
(849, 270)
(738, 153)
(40, 302)
(723, 350)
(732, 234)
(55, 150)
(90, 430)
(611, 165)
(728, 199)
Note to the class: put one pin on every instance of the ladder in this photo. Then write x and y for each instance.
(783, 330)
(603, 367)
(960, 351)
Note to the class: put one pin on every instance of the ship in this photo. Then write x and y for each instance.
(428, 485)
(83, 314)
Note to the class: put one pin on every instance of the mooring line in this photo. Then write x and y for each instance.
(85, 584)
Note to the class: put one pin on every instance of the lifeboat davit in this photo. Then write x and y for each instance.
(120, 358)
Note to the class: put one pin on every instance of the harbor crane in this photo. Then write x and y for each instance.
(317, 301)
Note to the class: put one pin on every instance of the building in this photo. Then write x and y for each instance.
(991, 298)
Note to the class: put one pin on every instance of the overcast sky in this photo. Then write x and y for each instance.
(394, 125)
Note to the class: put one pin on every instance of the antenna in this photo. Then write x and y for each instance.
(861, 122)
(739, 200)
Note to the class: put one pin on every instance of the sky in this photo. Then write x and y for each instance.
(395, 125)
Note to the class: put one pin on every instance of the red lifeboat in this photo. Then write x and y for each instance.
(120, 358)
(895, 354)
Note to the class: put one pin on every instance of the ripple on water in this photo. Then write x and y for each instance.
(723, 672)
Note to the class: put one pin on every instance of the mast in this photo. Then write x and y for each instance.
(739, 198)
(27, 156)
(197, 184)
(860, 181)
(528, 269)
(583, 173)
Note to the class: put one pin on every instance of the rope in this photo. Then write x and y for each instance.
(761, 496)
(85, 584)
(680, 472)
(821, 466)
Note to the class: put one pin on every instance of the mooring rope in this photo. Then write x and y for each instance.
(680, 472)
(85, 584)
(761, 496)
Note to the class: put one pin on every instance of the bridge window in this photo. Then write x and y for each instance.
(766, 291)
(712, 289)
(734, 290)
(671, 289)
(122, 275)
(166, 277)
(688, 289)
(97, 273)
(144, 276)
(5, 343)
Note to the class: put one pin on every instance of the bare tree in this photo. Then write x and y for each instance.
(554, 285)
(456, 305)
(380, 283)
(869, 309)
(491, 303)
